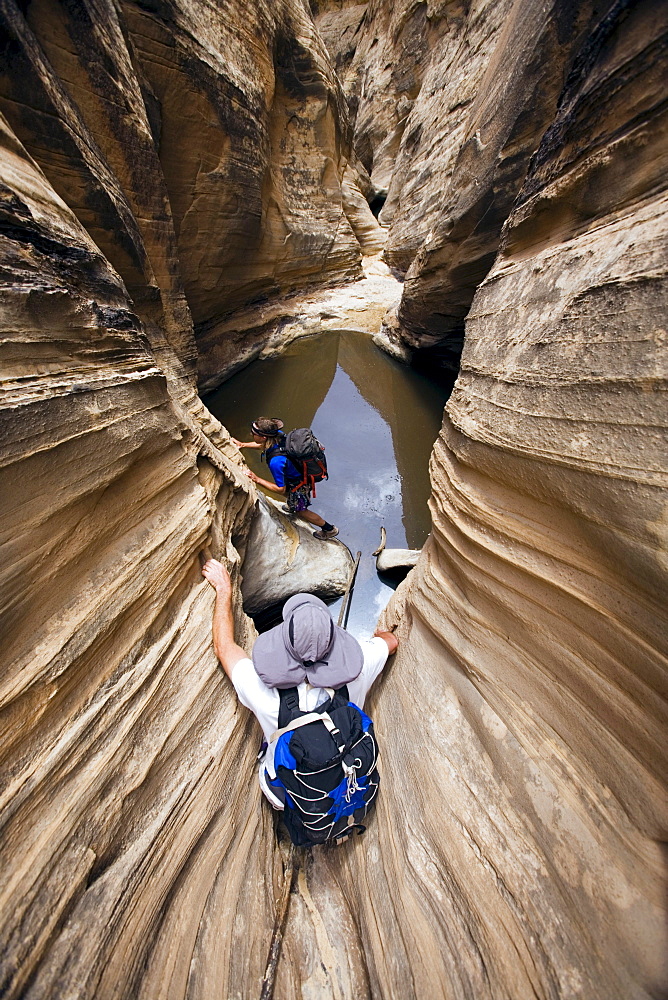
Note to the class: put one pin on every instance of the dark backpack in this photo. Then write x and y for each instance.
(307, 455)
(325, 768)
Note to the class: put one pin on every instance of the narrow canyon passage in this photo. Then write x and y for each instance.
(378, 420)
(187, 188)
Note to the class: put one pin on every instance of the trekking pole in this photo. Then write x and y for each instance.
(269, 977)
(345, 607)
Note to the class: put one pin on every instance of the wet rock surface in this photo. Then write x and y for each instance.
(283, 558)
(163, 164)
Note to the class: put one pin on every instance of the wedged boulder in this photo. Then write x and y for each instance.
(391, 560)
(368, 233)
(283, 558)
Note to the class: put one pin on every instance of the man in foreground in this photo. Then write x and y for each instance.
(307, 652)
(268, 436)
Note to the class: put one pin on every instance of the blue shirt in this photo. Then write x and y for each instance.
(279, 463)
(277, 466)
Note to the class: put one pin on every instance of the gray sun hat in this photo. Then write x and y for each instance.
(307, 644)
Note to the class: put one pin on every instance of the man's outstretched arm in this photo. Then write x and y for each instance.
(265, 482)
(246, 444)
(227, 651)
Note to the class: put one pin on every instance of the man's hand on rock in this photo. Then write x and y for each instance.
(227, 650)
(218, 577)
(254, 478)
(391, 640)
(246, 444)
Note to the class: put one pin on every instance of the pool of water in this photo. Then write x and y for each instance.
(378, 420)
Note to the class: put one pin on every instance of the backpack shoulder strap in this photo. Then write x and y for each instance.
(306, 720)
(292, 471)
(273, 451)
(289, 707)
(340, 697)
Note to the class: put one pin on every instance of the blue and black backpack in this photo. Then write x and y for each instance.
(325, 764)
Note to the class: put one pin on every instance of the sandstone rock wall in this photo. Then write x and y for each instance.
(205, 151)
(535, 622)
(157, 161)
(118, 730)
(503, 83)
(69, 89)
(549, 538)
(126, 816)
(450, 102)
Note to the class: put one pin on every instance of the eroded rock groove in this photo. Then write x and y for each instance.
(185, 185)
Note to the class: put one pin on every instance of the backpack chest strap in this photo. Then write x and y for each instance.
(305, 720)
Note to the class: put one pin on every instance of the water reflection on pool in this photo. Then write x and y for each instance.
(378, 420)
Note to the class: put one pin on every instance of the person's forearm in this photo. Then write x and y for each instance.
(270, 486)
(227, 650)
(391, 640)
(247, 444)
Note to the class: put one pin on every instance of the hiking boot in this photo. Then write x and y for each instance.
(324, 535)
(286, 510)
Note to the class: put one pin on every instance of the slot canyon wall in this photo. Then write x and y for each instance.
(173, 171)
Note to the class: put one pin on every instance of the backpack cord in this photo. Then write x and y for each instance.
(351, 780)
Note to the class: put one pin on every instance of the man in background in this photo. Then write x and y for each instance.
(268, 436)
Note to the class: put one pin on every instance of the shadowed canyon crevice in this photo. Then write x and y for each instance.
(186, 186)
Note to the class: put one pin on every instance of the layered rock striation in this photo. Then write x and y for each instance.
(126, 763)
(543, 584)
(207, 153)
(450, 103)
(164, 165)
(110, 486)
